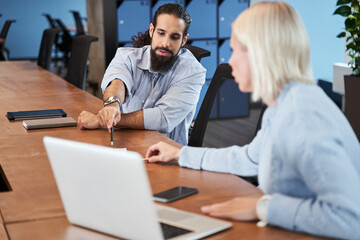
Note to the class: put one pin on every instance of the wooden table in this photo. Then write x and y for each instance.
(33, 209)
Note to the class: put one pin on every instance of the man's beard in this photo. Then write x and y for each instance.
(161, 63)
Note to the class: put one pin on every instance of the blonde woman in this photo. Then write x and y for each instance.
(306, 155)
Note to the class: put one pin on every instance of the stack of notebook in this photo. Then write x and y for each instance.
(43, 118)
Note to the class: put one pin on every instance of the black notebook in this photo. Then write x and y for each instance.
(24, 115)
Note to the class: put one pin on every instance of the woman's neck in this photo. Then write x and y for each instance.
(270, 103)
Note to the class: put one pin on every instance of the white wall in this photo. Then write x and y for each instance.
(322, 28)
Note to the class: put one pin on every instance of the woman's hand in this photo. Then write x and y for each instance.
(163, 152)
(240, 209)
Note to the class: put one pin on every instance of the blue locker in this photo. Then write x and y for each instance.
(203, 15)
(224, 52)
(233, 103)
(127, 44)
(162, 2)
(129, 20)
(228, 11)
(214, 109)
(213, 113)
(210, 63)
(202, 95)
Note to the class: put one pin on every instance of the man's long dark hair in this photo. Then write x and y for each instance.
(177, 10)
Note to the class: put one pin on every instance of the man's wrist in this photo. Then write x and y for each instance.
(111, 100)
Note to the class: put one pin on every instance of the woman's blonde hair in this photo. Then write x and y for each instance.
(278, 47)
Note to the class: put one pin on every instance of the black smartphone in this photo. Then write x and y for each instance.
(174, 194)
(23, 115)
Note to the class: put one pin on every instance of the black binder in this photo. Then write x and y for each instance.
(37, 114)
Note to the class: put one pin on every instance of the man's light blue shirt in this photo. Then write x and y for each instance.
(168, 99)
(307, 158)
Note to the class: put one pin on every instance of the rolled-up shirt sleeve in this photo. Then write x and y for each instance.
(119, 68)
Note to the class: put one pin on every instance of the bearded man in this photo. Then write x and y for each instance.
(156, 86)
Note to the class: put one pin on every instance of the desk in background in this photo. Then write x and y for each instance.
(33, 209)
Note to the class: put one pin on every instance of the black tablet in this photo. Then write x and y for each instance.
(23, 115)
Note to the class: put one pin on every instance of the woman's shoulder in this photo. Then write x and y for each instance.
(307, 100)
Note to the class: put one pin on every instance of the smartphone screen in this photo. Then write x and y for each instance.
(174, 194)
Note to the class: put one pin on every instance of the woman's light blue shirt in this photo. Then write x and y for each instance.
(306, 156)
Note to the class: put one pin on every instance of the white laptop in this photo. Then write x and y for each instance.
(108, 190)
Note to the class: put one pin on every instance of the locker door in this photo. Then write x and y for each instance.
(162, 2)
(133, 17)
(203, 15)
(213, 113)
(233, 103)
(209, 63)
(224, 52)
(228, 11)
(202, 95)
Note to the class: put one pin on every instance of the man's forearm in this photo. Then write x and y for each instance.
(116, 88)
(134, 120)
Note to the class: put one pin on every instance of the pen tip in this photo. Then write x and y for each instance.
(112, 143)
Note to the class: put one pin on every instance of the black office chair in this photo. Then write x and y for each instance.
(198, 52)
(77, 67)
(53, 24)
(51, 21)
(258, 125)
(4, 52)
(223, 72)
(79, 26)
(46, 46)
(66, 41)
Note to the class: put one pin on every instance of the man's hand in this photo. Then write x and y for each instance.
(240, 209)
(163, 152)
(88, 120)
(109, 116)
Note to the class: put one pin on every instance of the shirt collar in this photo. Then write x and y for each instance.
(144, 62)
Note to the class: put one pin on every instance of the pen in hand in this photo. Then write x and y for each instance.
(112, 136)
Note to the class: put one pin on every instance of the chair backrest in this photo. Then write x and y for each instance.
(5, 28)
(223, 72)
(198, 52)
(78, 60)
(258, 125)
(78, 22)
(66, 37)
(47, 41)
(4, 52)
(51, 21)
